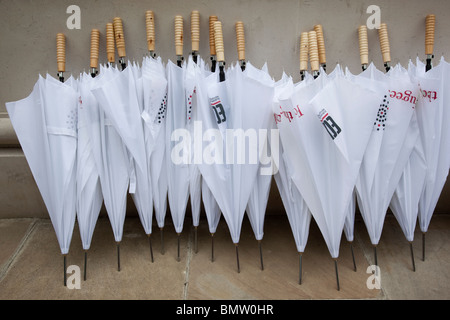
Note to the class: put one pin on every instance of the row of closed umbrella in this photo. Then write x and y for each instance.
(370, 139)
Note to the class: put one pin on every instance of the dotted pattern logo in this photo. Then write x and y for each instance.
(380, 123)
(162, 109)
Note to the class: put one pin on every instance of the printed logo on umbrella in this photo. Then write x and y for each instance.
(380, 123)
(328, 122)
(219, 111)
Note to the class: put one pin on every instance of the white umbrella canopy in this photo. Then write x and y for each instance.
(46, 125)
(326, 147)
(111, 158)
(177, 153)
(154, 116)
(386, 156)
(432, 115)
(242, 105)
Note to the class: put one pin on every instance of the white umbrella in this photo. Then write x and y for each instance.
(89, 193)
(45, 123)
(432, 114)
(412, 168)
(111, 158)
(326, 166)
(297, 211)
(121, 99)
(195, 184)
(230, 104)
(176, 122)
(380, 172)
(154, 84)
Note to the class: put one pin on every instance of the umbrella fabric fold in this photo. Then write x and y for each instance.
(46, 125)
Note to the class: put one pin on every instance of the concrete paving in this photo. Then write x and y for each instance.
(31, 265)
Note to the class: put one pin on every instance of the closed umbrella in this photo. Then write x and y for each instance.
(154, 83)
(89, 193)
(46, 125)
(176, 122)
(230, 103)
(297, 211)
(325, 168)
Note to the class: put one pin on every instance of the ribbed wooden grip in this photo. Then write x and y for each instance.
(150, 27)
(110, 50)
(363, 45)
(430, 24)
(212, 43)
(304, 51)
(61, 52)
(179, 35)
(119, 36)
(313, 51)
(384, 43)
(195, 30)
(95, 42)
(240, 39)
(218, 40)
(320, 44)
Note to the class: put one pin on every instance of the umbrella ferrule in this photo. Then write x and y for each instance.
(387, 66)
(364, 66)
(324, 66)
(152, 53)
(315, 74)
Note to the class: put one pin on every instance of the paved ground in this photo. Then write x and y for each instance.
(31, 266)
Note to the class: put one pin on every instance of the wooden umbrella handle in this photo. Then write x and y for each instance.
(179, 35)
(119, 37)
(240, 39)
(363, 45)
(430, 24)
(150, 28)
(61, 52)
(195, 30)
(384, 43)
(321, 44)
(313, 51)
(304, 47)
(212, 44)
(95, 42)
(110, 49)
(218, 40)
